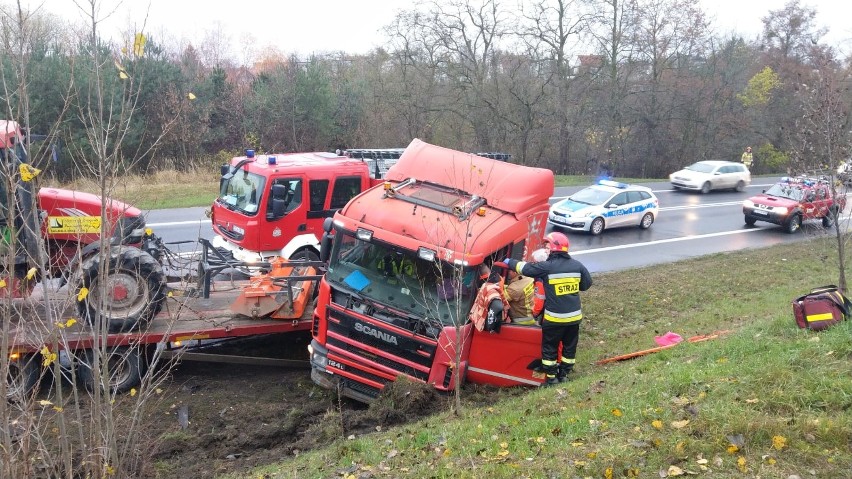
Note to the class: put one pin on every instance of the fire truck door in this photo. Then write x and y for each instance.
(502, 359)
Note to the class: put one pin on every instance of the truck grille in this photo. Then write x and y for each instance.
(355, 331)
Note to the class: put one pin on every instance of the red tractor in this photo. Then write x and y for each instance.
(52, 232)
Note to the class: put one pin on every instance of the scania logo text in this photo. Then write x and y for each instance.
(365, 329)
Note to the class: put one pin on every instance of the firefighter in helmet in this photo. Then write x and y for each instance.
(563, 278)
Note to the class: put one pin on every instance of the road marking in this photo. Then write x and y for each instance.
(668, 191)
(178, 223)
(670, 240)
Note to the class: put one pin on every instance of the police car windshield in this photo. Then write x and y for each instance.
(591, 196)
(398, 279)
(785, 190)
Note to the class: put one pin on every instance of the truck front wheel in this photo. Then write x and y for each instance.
(793, 223)
(131, 292)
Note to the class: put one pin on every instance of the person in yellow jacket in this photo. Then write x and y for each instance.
(747, 158)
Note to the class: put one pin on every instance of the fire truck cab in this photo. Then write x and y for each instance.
(402, 275)
(274, 205)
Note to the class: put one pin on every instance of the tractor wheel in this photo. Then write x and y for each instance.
(305, 254)
(23, 378)
(131, 292)
(125, 366)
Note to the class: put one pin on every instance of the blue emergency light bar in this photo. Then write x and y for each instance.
(614, 184)
(249, 153)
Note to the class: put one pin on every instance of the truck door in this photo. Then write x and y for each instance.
(502, 359)
(276, 231)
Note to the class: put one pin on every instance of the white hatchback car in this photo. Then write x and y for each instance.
(709, 175)
(605, 205)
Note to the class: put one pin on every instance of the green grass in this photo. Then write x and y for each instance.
(583, 180)
(764, 399)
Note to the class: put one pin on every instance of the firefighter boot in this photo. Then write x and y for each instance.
(550, 373)
(562, 372)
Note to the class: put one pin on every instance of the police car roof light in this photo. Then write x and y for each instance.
(615, 184)
(249, 153)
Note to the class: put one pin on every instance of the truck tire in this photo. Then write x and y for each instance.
(125, 366)
(750, 221)
(793, 224)
(830, 217)
(134, 289)
(23, 378)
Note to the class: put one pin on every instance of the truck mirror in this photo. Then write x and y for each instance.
(328, 224)
(325, 246)
(279, 191)
(279, 206)
(224, 170)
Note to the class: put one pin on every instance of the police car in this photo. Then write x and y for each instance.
(607, 204)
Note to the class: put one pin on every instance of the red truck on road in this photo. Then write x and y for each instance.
(793, 200)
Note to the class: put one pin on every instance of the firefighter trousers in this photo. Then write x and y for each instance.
(555, 334)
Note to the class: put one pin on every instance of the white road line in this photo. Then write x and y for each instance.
(670, 240)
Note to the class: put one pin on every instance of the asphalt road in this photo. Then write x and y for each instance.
(689, 225)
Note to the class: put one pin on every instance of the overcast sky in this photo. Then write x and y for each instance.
(354, 26)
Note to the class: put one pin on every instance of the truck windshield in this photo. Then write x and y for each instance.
(398, 279)
(242, 192)
(784, 190)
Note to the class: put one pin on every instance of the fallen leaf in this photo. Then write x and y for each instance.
(752, 401)
(741, 464)
(779, 442)
(616, 412)
(674, 471)
(680, 424)
(657, 424)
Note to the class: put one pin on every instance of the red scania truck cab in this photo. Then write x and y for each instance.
(401, 275)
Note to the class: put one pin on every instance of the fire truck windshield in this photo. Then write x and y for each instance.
(242, 192)
(397, 279)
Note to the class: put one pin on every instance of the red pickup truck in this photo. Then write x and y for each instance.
(793, 200)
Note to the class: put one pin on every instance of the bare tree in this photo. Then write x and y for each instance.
(821, 139)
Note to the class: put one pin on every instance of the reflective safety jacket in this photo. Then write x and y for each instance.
(563, 278)
(538, 298)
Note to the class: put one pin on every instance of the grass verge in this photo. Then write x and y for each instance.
(763, 400)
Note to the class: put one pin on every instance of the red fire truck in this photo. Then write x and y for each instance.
(274, 205)
(401, 275)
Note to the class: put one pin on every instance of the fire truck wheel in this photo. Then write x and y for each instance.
(132, 292)
(124, 366)
(24, 377)
(793, 223)
(305, 254)
(829, 218)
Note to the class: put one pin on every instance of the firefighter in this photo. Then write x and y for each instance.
(520, 292)
(563, 278)
(396, 266)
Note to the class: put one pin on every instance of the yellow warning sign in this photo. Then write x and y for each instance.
(73, 224)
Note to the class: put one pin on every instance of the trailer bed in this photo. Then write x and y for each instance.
(185, 317)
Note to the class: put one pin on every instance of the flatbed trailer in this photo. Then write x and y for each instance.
(192, 315)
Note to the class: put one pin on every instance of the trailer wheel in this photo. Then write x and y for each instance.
(125, 367)
(133, 290)
(24, 377)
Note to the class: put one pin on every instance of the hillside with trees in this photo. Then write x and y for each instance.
(641, 87)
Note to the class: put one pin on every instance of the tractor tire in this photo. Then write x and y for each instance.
(24, 377)
(125, 367)
(132, 292)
